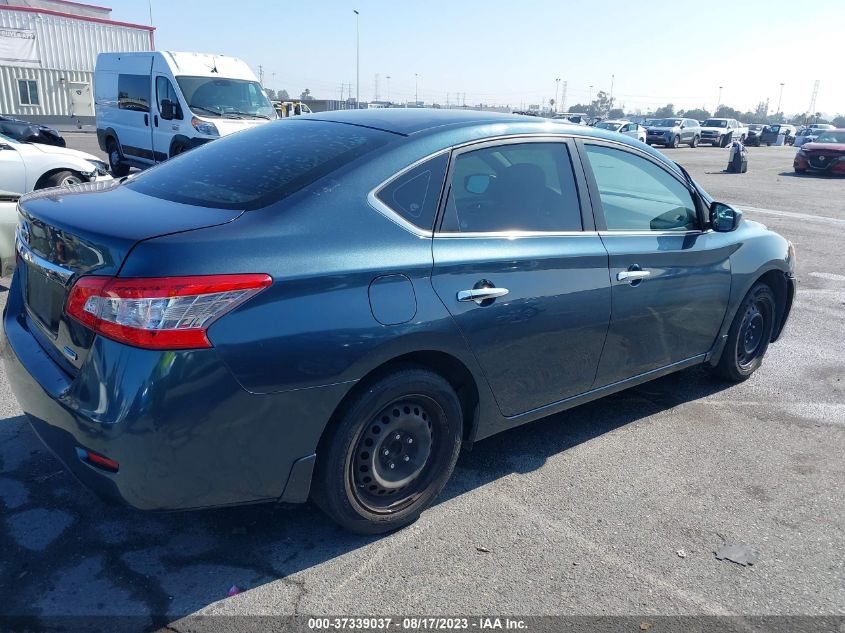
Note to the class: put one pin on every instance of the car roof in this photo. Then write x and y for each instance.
(407, 121)
(446, 128)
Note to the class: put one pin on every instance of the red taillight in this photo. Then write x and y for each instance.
(159, 312)
(95, 459)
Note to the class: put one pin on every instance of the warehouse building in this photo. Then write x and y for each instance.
(48, 50)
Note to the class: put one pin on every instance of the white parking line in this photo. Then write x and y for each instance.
(791, 214)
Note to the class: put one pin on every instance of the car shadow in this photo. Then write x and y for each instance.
(67, 553)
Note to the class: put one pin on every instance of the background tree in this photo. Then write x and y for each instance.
(839, 121)
(271, 94)
(699, 114)
(306, 95)
(616, 113)
(726, 112)
(601, 105)
(282, 95)
(579, 107)
(665, 112)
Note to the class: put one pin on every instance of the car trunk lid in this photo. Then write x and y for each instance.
(89, 229)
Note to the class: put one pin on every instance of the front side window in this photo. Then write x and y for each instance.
(638, 195)
(28, 91)
(514, 187)
(133, 92)
(414, 195)
(165, 91)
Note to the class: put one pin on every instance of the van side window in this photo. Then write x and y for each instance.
(133, 92)
(165, 90)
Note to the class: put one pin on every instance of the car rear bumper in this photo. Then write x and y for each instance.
(184, 432)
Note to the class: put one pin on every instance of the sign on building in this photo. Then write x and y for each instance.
(18, 48)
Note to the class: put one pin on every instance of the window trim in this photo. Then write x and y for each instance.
(28, 103)
(581, 185)
(395, 216)
(601, 223)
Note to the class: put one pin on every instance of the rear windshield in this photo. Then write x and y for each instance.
(260, 166)
(715, 123)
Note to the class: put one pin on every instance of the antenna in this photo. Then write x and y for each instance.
(812, 107)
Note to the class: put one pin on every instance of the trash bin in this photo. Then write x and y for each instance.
(738, 162)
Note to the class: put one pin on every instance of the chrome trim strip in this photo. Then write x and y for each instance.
(49, 269)
(517, 234)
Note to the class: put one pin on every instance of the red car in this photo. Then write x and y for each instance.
(824, 155)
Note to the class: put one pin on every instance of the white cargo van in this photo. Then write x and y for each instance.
(151, 106)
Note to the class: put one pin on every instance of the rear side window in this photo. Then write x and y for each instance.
(513, 187)
(133, 92)
(414, 195)
(260, 166)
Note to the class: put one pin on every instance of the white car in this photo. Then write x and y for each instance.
(810, 133)
(8, 224)
(624, 127)
(25, 167)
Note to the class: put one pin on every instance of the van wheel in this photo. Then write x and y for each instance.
(62, 179)
(391, 453)
(177, 149)
(119, 169)
(749, 336)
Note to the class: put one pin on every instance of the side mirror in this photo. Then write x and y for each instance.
(170, 110)
(724, 218)
(477, 183)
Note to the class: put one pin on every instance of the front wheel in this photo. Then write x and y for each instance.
(63, 179)
(390, 453)
(749, 336)
(675, 142)
(694, 141)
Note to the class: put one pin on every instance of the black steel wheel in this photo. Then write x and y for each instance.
(391, 452)
(750, 334)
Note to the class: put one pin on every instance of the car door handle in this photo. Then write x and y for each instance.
(147, 120)
(632, 275)
(481, 294)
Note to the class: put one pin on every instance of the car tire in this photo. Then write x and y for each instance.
(750, 334)
(118, 168)
(177, 149)
(389, 453)
(726, 140)
(694, 141)
(800, 171)
(675, 142)
(64, 178)
(742, 139)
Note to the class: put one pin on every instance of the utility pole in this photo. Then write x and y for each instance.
(718, 101)
(416, 89)
(375, 93)
(563, 97)
(780, 97)
(812, 109)
(261, 75)
(357, 61)
(388, 88)
(590, 100)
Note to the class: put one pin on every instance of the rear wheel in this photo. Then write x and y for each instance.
(726, 140)
(119, 169)
(177, 149)
(749, 336)
(390, 454)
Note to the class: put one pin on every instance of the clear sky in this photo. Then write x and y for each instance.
(498, 52)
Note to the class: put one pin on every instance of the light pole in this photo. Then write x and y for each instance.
(388, 88)
(590, 100)
(557, 88)
(416, 89)
(780, 97)
(357, 61)
(610, 103)
(718, 101)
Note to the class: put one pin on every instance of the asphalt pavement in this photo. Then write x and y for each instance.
(613, 508)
